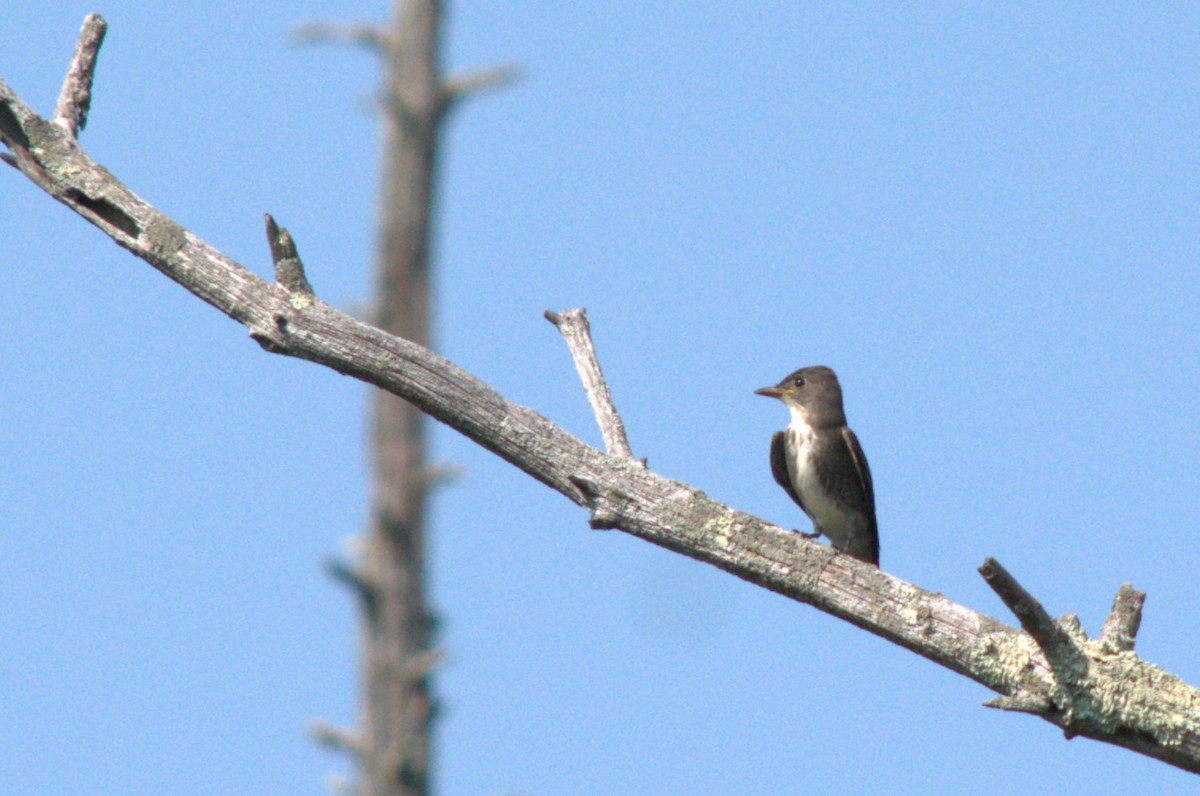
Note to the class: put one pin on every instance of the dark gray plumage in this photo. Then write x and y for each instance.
(821, 465)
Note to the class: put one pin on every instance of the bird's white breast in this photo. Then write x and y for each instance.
(828, 517)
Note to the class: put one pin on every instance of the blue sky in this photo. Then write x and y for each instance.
(985, 219)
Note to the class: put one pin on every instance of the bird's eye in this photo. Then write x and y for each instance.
(798, 382)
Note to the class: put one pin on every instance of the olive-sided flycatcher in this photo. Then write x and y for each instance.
(820, 464)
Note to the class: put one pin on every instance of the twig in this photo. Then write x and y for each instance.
(350, 577)
(331, 736)
(460, 86)
(75, 98)
(441, 474)
(367, 36)
(1061, 653)
(573, 324)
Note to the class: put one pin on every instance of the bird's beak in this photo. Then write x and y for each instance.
(770, 392)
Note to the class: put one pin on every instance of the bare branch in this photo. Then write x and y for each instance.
(350, 577)
(460, 86)
(573, 324)
(75, 98)
(1120, 629)
(369, 37)
(1100, 688)
(1119, 698)
(331, 736)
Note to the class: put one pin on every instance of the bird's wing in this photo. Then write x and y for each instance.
(779, 467)
(865, 549)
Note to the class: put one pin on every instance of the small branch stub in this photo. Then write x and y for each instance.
(441, 474)
(457, 87)
(604, 508)
(423, 663)
(1021, 703)
(331, 736)
(1121, 628)
(75, 97)
(289, 270)
(574, 327)
(350, 577)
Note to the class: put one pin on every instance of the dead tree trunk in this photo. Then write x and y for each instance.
(396, 696)
(393, 744)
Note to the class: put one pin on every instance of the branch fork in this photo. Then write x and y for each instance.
(1099, 688)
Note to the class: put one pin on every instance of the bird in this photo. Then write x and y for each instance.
(821, 465)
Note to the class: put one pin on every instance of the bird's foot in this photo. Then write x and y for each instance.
(810, 534)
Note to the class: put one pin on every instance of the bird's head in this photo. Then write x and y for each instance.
(811, 394)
